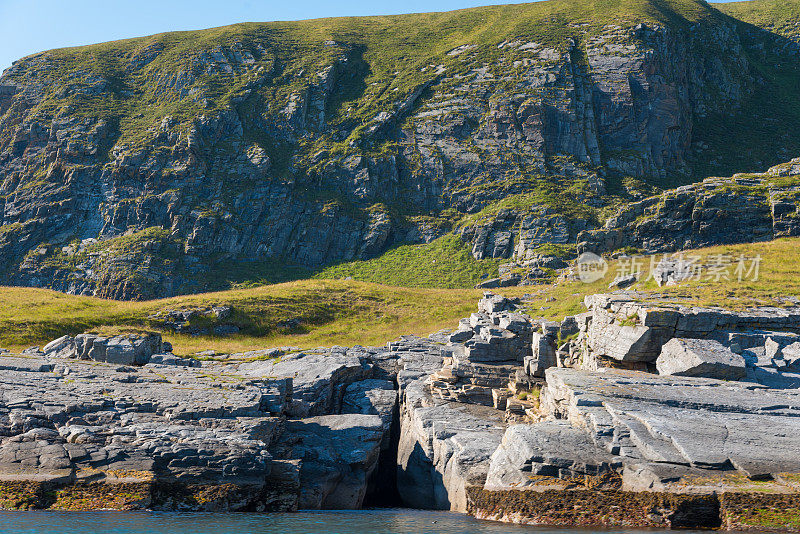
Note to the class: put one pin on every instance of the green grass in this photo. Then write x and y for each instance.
(560, 198)
(445, 263)
(779, 16)
(330, 312)
(388, 54)
(779, 277)
(352, 312)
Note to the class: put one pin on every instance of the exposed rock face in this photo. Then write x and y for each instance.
(338, 454)
(617, 436)
(444, 446)
(86, 424)
(440, 424)
(716, 211)
(318, 379)
(227, 436)
(700, 357)
(697, 426)
(133, 201)
(528, 454)
(632, 333)
(124, 350)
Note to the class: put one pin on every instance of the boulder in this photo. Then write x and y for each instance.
(491, 303)
(544, 355)
(700, 357)
(171, 359)
(791, 355)
(132, 349)
(64, 345)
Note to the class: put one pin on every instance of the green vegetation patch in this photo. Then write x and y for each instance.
(445, 262)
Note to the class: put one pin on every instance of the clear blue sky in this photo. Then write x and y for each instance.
(28, 26)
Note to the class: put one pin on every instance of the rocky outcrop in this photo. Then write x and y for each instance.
(707, 449)
(444, 446)
(622, 330)
(340, 149)
(700, 357)
(717, 211)
(465, 420)
(169, 434)
(83, 426)
(712, 452)
(130, 349)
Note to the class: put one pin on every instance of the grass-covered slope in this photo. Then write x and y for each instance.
(174, 74)
(133, 84)
(306, 313)
(328, 312)
(779, 16)
(444, 263)
(205, 159)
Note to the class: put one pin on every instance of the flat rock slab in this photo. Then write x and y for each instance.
(318, 379)
(700, 357)
(668, 428)
(33, 365)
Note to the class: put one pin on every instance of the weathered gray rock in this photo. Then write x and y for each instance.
(373, 397)
(700, 357)
(544, 355)
(171, 359)
(547, 449)
(33, 365)
(631, 327)
(133, 349)
(96, 422)
(699, 426)
(444, 447)
(338, 454)
(319, 380)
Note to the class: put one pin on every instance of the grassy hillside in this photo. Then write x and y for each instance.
(349, 312)
(329, 312)
(209, 160)
(779, 16)
(444, 263)
(394, 53)
(778, 278)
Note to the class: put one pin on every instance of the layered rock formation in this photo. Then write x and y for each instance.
(687, 418)
(131, 171)
(744, 209)
(169, 434)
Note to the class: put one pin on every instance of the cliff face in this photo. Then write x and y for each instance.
(745, 208)
(133, 169)
(638, 413)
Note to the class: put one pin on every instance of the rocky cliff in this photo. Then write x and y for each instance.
(638, 412)
(154, 166)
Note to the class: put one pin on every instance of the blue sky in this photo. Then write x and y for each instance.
(28, 26)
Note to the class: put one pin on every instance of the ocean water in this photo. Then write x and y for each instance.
(384, 521)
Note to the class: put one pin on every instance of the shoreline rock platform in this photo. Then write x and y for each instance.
(637, 413)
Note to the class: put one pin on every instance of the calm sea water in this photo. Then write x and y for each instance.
(346, 522)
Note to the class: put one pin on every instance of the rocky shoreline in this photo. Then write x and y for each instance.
(636, 413)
